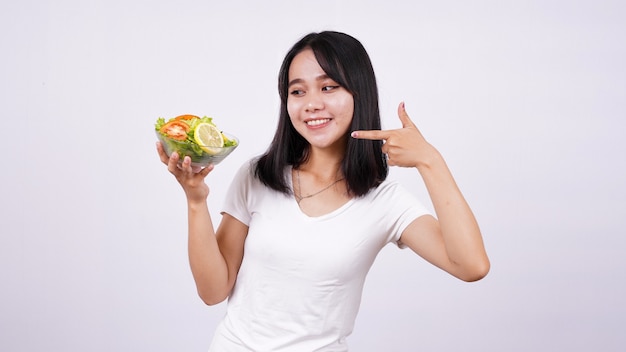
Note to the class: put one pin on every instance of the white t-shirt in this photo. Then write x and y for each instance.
(300, 283)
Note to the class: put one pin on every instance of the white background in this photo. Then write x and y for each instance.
(525, 99)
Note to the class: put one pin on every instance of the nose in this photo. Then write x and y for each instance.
(314, 103)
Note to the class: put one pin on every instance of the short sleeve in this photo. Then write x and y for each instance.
(237, 201)
(403, 208)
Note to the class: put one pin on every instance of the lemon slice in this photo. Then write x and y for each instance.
(208, 137)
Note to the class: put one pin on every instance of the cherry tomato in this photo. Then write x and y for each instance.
(186, 117)
(175, 130)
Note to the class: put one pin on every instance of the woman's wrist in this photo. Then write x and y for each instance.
(433, 160)
(196, 204)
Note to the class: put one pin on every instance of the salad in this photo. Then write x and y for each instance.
(193, 136)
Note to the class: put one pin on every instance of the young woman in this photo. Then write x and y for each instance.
(304, 222)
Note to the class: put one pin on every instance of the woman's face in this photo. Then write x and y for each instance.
(320, 109)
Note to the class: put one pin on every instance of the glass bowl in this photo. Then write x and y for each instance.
(201, 157)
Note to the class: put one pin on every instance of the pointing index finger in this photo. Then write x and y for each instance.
(371, 135)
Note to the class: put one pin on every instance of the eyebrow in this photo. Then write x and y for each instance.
(300, 80)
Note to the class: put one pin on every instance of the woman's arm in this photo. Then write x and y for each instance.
(214, 257)
(453, 241)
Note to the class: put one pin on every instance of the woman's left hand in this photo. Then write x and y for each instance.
(405, 147)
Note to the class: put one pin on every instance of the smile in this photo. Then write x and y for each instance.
(317, 122)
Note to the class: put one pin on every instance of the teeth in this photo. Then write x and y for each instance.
(317, 122)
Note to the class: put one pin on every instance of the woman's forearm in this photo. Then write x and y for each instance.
(208, 266)
(460, 231)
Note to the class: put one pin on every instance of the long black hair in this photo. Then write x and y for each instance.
(345, 60)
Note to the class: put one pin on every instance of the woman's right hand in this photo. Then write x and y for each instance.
(192, 182)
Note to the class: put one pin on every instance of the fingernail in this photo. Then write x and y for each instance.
(402, 105)
(354, 134)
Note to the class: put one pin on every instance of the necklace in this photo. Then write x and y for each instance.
(300, 197)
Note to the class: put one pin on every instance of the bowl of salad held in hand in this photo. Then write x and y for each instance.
(196, 137)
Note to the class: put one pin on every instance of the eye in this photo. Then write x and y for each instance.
(329, 88)
(296, 92)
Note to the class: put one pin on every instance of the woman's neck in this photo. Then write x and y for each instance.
(324, 164)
